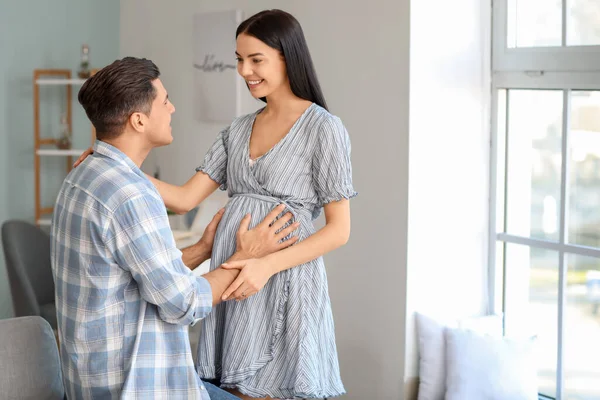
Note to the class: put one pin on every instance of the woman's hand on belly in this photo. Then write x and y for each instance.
(267, 236)
(254, 275)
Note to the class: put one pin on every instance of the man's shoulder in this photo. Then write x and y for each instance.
(108, 183)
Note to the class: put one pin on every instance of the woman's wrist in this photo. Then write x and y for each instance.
(270, 263)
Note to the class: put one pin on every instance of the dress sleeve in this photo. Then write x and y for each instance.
(332, 169)
(215, 160)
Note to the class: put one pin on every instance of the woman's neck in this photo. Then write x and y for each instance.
(281, 107)
(285, 102)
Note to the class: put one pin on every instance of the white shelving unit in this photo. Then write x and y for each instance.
(59, 152)
(46, 221)
(59, 81)
(46, 146)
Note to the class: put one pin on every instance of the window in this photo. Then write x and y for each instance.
(545, 191)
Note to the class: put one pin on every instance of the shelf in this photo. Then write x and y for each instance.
(45, 221)
(59, 81)
(59, 152)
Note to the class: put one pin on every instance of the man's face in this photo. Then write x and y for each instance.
(159, 121)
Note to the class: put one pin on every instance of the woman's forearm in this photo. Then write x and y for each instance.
(334, 234)
(175, 197)
(328, 238)
(181, 199)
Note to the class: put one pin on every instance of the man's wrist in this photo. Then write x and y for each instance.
(196, 254)
(204, 250)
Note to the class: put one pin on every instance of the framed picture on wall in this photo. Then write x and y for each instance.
(216, 82)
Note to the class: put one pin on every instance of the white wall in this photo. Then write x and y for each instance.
(362, 62)
(449, 157)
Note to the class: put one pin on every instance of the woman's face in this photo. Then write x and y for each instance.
(261, 66)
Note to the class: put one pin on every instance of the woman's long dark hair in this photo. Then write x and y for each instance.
(281, 31)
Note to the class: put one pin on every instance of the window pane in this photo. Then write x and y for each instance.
(531, 305)
(534, 23)
(581, 350)
(584, 169)
(583, 22)
(534, 163)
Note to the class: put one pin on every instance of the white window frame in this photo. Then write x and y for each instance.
(559, 68)
(538, 59)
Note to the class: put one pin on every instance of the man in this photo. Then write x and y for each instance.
(124, 293)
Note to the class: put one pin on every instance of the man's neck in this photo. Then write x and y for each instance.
(131, 148)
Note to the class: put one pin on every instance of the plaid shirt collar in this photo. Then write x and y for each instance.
(114, 153)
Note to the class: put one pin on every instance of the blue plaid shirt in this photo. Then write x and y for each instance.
(124, 298)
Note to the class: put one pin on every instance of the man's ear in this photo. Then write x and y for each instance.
(138, 121)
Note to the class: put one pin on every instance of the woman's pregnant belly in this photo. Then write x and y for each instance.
(258, 207)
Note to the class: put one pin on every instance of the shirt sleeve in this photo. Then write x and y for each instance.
(143, 244)
(215, 160)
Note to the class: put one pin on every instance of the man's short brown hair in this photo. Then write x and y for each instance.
(117, 91)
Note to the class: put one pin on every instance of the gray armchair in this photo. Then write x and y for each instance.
(27, 254)
(29, 361)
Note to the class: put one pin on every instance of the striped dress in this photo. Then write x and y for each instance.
(281, 341)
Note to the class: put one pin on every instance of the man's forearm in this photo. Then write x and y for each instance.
(220, 278)
(195, 255)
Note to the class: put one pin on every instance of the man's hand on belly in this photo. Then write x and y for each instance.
(264, 239)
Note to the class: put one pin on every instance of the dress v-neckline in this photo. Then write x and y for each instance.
(280, 142)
